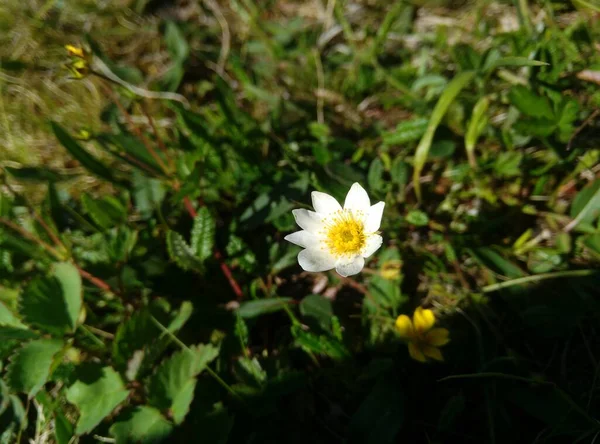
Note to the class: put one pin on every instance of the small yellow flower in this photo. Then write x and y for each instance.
(75, 51)
(423, 340)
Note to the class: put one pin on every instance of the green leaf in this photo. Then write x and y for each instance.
(35, 174)
(106, 212)
(203, 234)
(96, 393)
(176, 44)
(512, 61)
(406, 131)
(79, 153)
(418, 218)
(319, 344)
(444, 102)
(172, 386)
(317, 308)
(181, 253)
(477, 123)
(53, 303)
(587, 4)
(507, 164)
(585, 208)
(375, 175)
(143, 425)
(252, 309)
(29, 367)
(531, 104)
(400, 171)
(148, 194)
(63, 429)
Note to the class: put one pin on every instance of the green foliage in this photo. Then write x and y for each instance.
(153, 217)
(53, 303)
(30, 366)
(96, 393)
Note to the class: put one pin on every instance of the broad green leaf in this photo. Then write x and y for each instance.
(79, 153)
(181, 253)
(507, 164)
(53, 303)
(476, 125)
(29, 367)
(106, 212)
(252, 309)
(96, 393)
(143, 425)
(172, 386)
(203, 234)
(450, 93)
(531, 104)
(317, 308)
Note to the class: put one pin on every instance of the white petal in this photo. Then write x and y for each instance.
(373, 220)
(357, 199)
(324, 203)
(303, 238)
(313, 259)
(373, 243)
(351, 267)
(308, 220)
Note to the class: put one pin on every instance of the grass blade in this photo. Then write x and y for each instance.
(447, 97)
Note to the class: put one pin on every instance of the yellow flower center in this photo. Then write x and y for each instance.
(345, 234)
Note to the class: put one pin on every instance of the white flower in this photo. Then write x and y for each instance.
(336, 237)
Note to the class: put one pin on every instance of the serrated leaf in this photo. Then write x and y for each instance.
(143, 425)
(251, 309)
(531, 104)
(181, 253)
(53, 303)
(203, 234)
(78, 152)
(172, 386)
(29, 367)
(96, 393)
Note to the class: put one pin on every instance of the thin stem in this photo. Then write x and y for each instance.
(538, 277)
(92, 336)
(27, 235)
(210, 371)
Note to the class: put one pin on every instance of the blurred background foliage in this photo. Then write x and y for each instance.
(148, 177)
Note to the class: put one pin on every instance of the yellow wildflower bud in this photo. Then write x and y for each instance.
(75, 51)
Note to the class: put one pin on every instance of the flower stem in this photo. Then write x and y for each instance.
(536, 278)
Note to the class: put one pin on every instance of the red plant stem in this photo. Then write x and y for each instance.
(95, 280)
(217, 255)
